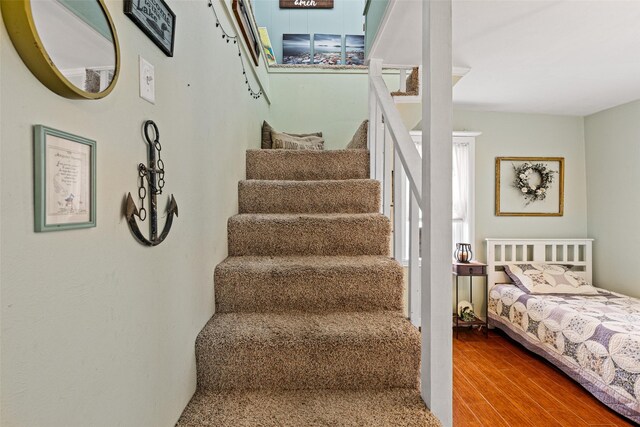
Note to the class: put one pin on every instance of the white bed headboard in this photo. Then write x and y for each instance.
(574, 252)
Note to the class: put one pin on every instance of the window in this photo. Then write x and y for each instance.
(463, 189)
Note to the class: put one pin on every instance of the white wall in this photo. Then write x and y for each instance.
(531, 135)
(98, 330)
(612, 156)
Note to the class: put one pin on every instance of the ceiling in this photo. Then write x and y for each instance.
(573, 57)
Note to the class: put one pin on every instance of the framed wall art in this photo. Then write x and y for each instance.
(529, 186)
(354, 49)
(243, 16)
(155, 19)
(306, 4)
(266, 46)
(64, 179)
(296, 49)
(327, 49)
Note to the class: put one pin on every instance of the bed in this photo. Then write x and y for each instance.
(595, 339)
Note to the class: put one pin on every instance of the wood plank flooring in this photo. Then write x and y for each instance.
(497, 382)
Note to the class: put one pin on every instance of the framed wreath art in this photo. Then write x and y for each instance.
(529, 186)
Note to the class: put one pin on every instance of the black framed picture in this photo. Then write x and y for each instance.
(155, 19)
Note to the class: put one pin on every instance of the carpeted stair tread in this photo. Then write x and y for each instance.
(337, 196)
(307, 165)
(308, 329)
(355, 350)
(301, 408)
(308, 234)
(313, 284)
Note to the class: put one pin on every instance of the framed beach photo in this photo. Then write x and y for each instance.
(296, 49)
(354, 49)
(64, 180)
(327, 49)
(529, 186)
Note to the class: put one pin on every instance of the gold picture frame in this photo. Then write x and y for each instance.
(512, 200)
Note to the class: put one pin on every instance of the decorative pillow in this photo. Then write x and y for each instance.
(289, 142)
(537, 278)
(266, 135)
(359, 140)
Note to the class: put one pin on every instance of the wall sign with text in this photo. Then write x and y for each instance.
(306, 4)
(155, 19)
(65, 180)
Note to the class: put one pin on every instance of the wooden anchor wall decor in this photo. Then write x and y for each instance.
(153, 175)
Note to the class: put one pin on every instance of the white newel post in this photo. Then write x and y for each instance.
(436, 375)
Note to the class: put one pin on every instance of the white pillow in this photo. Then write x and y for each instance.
(282, 140)
(535, 278)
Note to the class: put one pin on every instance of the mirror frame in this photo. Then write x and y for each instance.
(18, 19)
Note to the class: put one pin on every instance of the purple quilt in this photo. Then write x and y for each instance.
(595, 339)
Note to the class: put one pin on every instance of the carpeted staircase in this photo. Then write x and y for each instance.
(308, 329)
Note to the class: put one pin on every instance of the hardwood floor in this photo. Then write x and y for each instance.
(497, 382)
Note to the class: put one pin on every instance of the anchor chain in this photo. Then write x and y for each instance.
(143, 172)
(142, 191)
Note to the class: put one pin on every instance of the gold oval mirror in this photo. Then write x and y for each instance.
(71, 46)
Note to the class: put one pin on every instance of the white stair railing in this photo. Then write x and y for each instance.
(392, 149)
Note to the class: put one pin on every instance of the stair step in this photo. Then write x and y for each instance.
(307, 165)
(343, 196)
(300, 408)
(290, 351)
(308, 234)
(312, 284)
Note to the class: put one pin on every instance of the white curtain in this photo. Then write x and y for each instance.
(460, 214)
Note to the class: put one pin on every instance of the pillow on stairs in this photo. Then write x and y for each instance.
(266, 135)
(359, 140)
(285, 141)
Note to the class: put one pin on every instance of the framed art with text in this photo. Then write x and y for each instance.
(64, 180)
(306, 4)
(529, 186)
(155, 19)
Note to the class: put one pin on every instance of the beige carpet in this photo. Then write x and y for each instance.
(308, 329)
(308, 408)
(336, 196)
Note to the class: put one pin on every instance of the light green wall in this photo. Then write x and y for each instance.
(98, 330)
(511, 134)
(333, 102)
(373, 19)
(612, 156)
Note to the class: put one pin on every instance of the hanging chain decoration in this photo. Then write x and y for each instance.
(153, 176)
(228, 37)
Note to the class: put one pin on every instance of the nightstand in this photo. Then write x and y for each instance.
(471, 269)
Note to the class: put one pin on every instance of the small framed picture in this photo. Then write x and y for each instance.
(156, 20)
(65, 180)
(529, 186)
